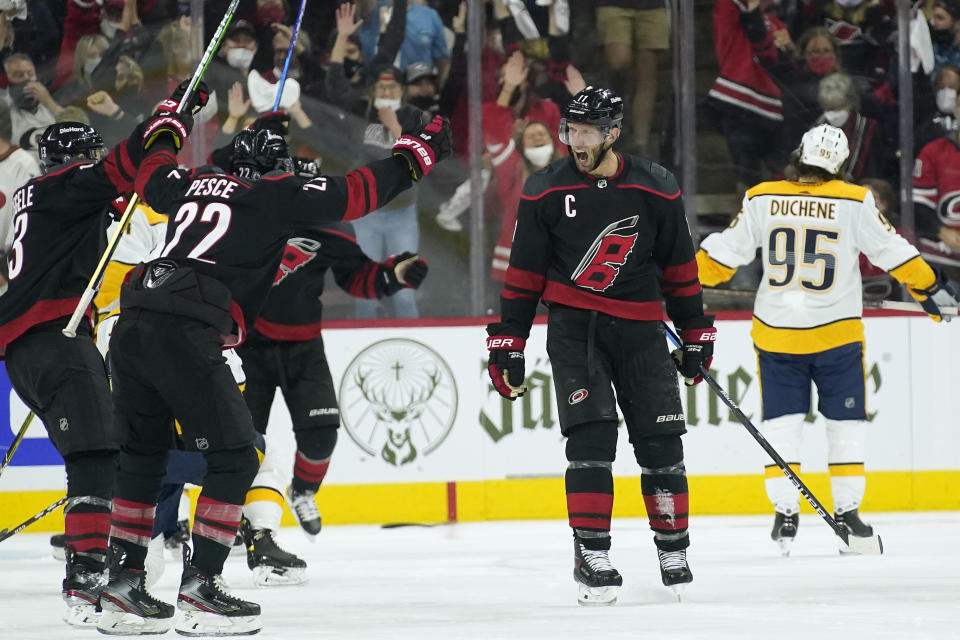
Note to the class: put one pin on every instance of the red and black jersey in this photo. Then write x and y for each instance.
(293, 310)
(59, 230)
(235, 230)
(936, 186)
(618, 245)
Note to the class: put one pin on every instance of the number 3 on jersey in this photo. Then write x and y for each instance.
(216, 212)
(15, 254)
(782, 257)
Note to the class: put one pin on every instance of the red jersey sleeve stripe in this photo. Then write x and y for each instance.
(679, 292)
(356, 199)
(673, 196)
(126, 162)
(371, 186)
(510, 294)
(150, 165)
(681, 272)
(522, 279)
(340, 233)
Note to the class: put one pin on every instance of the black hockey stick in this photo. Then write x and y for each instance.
(93, 285)
(869, 546)
(6, 533)
(16, 441)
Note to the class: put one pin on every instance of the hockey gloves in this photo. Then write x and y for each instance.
(276, 121)
(406, 270)
(506, 365)
(425, 148)
(937, 295)
(174, 126)
(198, 99)
(698, 336)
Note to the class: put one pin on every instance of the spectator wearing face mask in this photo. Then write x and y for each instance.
(936, 119)
(86, 63)
(840, 101)
(107, 17)
(945, 33)
(421, 87)
(228, 72)
(347, 80)
(797, 69)
(31, 105)
(863, 30)
(394, 228)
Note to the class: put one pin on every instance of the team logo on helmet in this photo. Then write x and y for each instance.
(398, 400)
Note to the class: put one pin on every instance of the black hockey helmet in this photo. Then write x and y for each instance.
(271, 151)
(593, 105)
(243, 161)
(62, 141)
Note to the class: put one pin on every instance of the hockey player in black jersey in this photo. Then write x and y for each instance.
(285, 349)
(602, 239)
(58, 229)
(224, 245)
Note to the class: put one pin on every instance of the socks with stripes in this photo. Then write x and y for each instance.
(87, 525)
(667, 501)
(308, 474)
(214, 530)
(589, 488)
(131, 526)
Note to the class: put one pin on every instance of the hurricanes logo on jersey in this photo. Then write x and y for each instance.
(297, 253)
(601, 263)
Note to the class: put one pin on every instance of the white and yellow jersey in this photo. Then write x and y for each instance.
(141, 240)
(811, 236)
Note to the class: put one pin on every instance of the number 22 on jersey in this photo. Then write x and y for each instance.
(215, 212)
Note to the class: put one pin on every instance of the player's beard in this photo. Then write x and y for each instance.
(589, 158)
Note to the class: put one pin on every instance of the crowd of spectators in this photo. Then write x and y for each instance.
(364, 71)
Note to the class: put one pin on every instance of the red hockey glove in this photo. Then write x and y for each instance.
(198, 99)
(406, 270)
(425, 148)
(175, 125)
(698, 336)
(937, 295)
(506, 365)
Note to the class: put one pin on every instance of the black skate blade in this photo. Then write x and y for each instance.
(869, 546)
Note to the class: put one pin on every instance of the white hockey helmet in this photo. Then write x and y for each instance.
(826, 147)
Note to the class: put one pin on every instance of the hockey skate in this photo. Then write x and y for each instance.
(208, 610)
(128, 608)
(598, 581)
(674, 570)
(81, 590)
(784, 531)
(304, 507)
(270, 564)
(857, 527)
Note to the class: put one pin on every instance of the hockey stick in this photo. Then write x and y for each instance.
(6, 533)
(16, 441)
(286, 64)
(869, 546)
(93, 285)
(948, 313)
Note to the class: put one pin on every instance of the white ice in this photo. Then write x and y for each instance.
(495, 580)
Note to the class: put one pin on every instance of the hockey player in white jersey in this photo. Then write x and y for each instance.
(807, 323)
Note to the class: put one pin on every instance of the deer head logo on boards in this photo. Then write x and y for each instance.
(398, 400)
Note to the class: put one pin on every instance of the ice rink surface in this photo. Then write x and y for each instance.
(513, 580)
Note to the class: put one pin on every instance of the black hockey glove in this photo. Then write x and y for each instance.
(198, 99)
(426, 147)
(406, 270)
(698, 336)
(937, 295)
(276, 121)
(506, 365)
(175, 125)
